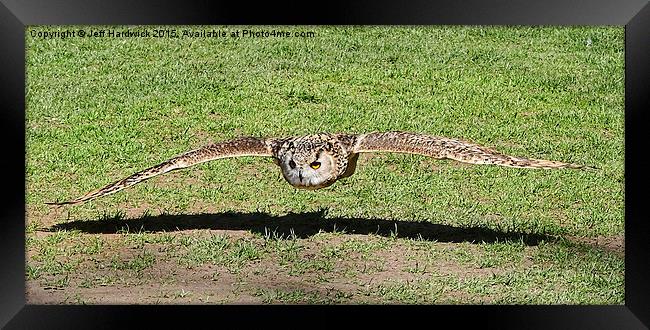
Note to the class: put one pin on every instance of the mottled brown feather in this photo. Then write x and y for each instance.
(344, 148)
(447, 148)
(247, 146)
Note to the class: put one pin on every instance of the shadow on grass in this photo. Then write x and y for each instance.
(302, 225)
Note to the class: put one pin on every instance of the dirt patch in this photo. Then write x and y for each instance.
(614, 244)
(167, 283)
(328, 267)
(267, 280)
(47, 218)
(113, 277)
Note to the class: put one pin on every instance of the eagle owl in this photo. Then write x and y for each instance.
(317, 161)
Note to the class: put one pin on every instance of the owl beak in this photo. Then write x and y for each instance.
(300, 175)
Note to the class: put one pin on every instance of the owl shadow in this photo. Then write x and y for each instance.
(300, 225)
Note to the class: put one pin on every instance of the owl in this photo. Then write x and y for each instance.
(319, 160)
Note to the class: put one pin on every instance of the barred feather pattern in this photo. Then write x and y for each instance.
(447, 148)
(298, 153)
(248, 146)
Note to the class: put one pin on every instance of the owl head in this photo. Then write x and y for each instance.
(308, 165)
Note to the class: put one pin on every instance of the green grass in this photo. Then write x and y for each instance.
(99, 109)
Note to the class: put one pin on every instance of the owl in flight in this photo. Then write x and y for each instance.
(317, 161)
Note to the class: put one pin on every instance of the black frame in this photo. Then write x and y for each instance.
(16, 15)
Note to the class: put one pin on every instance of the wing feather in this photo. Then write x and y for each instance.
(447, 148)
(247, 146)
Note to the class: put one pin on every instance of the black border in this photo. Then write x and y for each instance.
(15, 15)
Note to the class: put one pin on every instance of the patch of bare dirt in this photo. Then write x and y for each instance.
(97, 281)
(614, 244)
(167, 281)
(47, 219)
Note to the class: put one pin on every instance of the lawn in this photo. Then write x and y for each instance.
(403, 229)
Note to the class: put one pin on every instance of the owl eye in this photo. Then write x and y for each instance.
(315, 165)
(292, 164)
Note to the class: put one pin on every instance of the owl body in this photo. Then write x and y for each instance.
(317, 161)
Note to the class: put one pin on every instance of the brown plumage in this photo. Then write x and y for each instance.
(317, 161)
(239, 147)
(441, 148)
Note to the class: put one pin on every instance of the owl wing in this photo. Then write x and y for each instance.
(447, 148)
(248, 146)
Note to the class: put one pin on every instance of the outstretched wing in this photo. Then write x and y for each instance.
(248, 146)
(446, 148)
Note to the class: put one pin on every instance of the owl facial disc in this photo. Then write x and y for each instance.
(308, 164)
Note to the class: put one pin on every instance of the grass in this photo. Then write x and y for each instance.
(99, 109)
